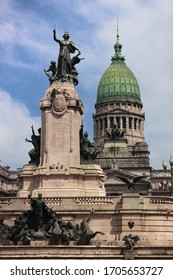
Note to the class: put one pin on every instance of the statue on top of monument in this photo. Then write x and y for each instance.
(65, 66)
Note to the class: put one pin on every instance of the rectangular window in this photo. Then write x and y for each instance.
(124, 122)
(130, 123)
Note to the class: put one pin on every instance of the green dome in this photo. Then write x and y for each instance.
(118, 83)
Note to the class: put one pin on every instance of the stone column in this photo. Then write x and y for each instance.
(121, 122)
(61, 122)
(108, 122)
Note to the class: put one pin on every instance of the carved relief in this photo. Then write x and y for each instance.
(59, 102)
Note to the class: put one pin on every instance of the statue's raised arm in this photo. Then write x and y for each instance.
(54, 36)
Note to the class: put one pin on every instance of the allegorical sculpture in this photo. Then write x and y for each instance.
(88, 150)
(51, 72)
(130, 240)
(86, 234)
(131, 182)
(35, 153)
(42, 223)
(115, 132)
(40, 212)
(4, 233)
(65, 69)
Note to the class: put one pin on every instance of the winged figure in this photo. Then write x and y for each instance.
(131, 182)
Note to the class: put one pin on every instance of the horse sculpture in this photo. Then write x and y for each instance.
(58, 233)
(86, 233)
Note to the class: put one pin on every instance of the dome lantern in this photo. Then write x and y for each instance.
(117, 47)
(118, 82)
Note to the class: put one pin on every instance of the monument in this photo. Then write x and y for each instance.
(61, 209)
(56, 167)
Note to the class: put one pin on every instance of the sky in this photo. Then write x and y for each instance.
(27, 47)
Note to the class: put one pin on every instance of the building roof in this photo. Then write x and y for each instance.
(118, 82)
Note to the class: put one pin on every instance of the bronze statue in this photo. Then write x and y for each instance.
(65, 69)
(115, 132)
(131, 182)
(4, 233)
(86, 233)
(130, 241)
(88, 150)
(66, 48)
(38, 207)
(34, 153)
(42, 223)
(53, 69)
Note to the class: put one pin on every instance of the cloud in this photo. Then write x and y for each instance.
(19, 34)
(15, 124)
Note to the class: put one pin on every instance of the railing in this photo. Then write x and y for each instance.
(161, 200)
(93, 200)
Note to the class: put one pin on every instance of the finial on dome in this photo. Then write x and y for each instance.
(117, 28)
(117, 47)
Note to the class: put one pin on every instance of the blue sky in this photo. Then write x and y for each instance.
(27, 46)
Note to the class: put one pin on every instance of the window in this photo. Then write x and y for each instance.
(135, 123)
(101, 124)
(111, 122)
(130, 123)
(105, 123)
(124, 122)
(118, 121)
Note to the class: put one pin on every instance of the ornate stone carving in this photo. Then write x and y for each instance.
(93, 200)
(161, 200)
(59, 102)
(48, 200)
(5, 201)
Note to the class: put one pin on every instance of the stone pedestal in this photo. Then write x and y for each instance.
(131, 200)
(59, 172)
(61, 122)
(88, 180)
(129, 255)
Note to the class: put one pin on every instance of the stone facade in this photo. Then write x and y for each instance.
(8, 181)
(153, 218)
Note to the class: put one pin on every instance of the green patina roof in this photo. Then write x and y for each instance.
(118, 83)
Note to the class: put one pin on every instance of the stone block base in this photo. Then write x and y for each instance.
(73, 182)
(83, 252)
